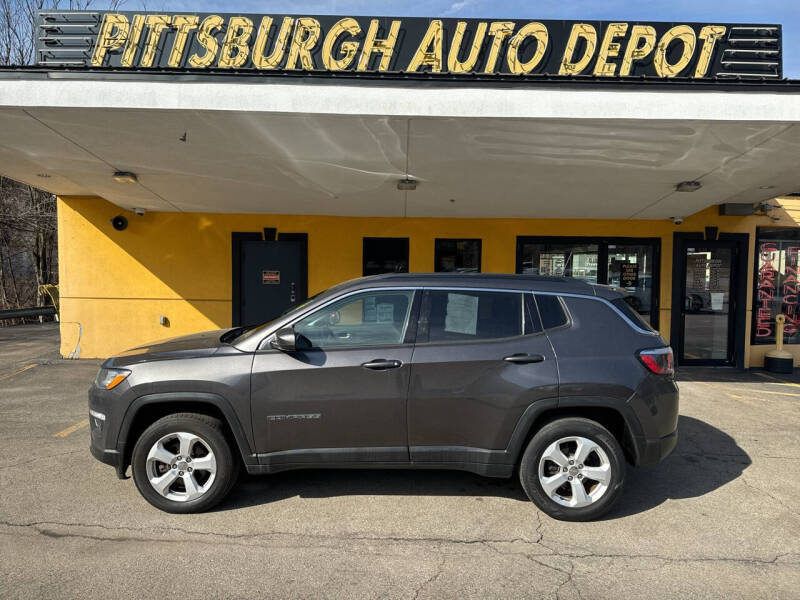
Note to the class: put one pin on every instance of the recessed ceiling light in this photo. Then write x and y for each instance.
(766, 187)
(688, 186)
(124, 177)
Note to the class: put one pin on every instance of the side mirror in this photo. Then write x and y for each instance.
(285, 340)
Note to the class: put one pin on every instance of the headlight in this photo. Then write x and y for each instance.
(111, 378)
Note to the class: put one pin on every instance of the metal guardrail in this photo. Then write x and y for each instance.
(19, 313)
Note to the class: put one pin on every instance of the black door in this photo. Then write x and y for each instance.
(272, 279)
(709, 303)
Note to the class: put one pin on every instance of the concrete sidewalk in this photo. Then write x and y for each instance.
(718, 519)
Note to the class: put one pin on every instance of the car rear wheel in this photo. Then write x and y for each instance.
(573, 469)
(183, 463)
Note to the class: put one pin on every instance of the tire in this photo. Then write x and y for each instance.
(602, 477)
(196, 483)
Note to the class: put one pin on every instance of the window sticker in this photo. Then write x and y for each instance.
(385, 312)
(370, 312)
(462, 314)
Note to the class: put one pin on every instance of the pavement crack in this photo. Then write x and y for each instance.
(761, 490)
(45, 528)
(50, 529)
(430, 580)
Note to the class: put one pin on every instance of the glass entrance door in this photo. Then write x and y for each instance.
(707, 311)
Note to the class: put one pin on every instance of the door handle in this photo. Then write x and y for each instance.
(524, 359)
(380, 364)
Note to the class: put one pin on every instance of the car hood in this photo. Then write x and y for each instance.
(185, 346)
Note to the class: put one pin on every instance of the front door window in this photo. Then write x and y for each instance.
(369, 319)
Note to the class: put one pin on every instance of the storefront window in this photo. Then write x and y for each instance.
(560, 260)
(776, 289)
(461, 256)
(629, 263)
(385, 255)
(630, 266)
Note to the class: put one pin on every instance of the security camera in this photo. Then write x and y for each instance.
(677, 220)
(139, 211)
(119, 223)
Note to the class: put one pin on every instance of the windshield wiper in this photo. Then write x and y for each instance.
(231, 335)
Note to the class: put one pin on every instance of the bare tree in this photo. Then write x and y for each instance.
(18, 25)
(28, 249)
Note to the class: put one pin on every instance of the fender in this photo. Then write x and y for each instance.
(202, 397)
(537, 409)
(523, 427)
(633, 428)
(621, 406)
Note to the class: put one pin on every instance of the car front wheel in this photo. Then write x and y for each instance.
(573, 469)
(183, 463)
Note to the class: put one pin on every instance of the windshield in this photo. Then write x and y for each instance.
(242, 333)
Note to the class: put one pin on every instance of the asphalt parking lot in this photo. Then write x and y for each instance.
(720, 518)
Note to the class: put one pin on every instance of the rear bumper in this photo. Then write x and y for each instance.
(654, 450)
(655, 411)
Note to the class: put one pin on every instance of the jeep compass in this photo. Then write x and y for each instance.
(556, 380)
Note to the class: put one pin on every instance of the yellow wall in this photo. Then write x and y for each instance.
(115, 285)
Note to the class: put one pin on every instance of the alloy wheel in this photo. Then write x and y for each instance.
(574, 472)
(181, 466)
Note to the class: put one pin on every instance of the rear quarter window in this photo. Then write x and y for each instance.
(622, 305)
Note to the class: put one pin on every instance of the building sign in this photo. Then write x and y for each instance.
(776, 286)
(364, 45)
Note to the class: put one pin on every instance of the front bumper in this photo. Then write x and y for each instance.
(109, 457)
(103, 432)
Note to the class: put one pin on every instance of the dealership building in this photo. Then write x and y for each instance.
(214, 170)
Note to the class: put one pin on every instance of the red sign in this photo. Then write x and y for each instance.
(270, 277)
(777, 289)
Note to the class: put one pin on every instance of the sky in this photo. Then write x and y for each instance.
(783, 12)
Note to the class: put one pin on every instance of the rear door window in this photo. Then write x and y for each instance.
(466, 315)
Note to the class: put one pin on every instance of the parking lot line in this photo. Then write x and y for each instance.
(72, 429)
(18, 371)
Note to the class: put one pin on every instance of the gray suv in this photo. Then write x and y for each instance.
(552, 378)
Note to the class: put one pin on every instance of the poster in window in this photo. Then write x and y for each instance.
(462, 314)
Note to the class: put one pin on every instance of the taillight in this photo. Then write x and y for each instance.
(658, 360)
